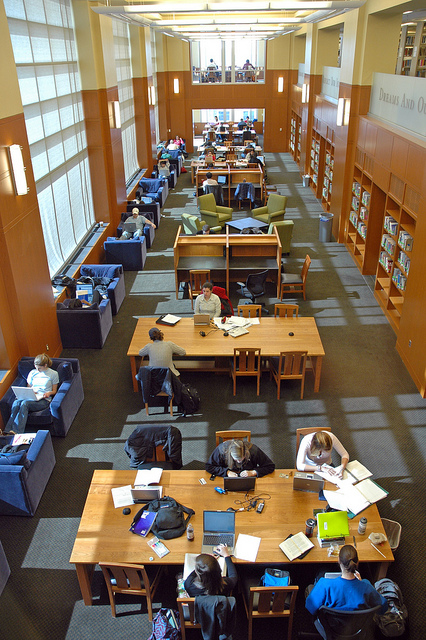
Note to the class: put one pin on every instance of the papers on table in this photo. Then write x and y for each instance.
(296, 545)
(169, 319)
(189, 565)
(122, 496)
(145, 477)
(355, 498)
(246, 547)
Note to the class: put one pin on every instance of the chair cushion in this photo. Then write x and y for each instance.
(65, 372)
(291, 278)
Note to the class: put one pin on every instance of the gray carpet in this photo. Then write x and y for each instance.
(366, 397)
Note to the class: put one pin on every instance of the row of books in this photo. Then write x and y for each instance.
(355, 203)
(405, 240)
(356, 188)
(386, 261)
(353, 218)
(388, 244)
(362, 229)
(404, 261)
(329, 160)
(366, 198)
(363, 214)
(399, 279)
(390, 225)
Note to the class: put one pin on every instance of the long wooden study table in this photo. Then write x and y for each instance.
(234, 176)
(207, 353)
(230, 257)
(104, 536)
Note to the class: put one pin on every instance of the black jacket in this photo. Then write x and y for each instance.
(140, 445)
(216, 615)
(258, 461)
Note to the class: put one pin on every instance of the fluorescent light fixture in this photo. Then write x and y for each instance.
(149, 95)
(117, 116)
(305, 93)
(347, 112)
(153, 95)
(18, 170)
(280, 84)
(340, 110)
(238, 6)
(175, 85)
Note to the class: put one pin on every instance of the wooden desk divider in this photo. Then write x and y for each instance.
(234, 175)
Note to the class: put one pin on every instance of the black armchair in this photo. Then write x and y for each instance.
(333, 624)
(254, 286)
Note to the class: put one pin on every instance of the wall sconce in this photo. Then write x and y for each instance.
(347, 112)
(305, 93)
(153, 95)
(343, 112)
(18, 170)
(176, 85)
(117, 116)
(280, 84)
(149, 95)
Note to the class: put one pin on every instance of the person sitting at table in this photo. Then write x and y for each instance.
(347, 592)
(205, 231)
(207, 580)
(139, 222)
(246, 134)
(161, 351)
(239, 458)
(172, 146)
(315, 451)
(208, 302)
(241, 124)
(209, 179)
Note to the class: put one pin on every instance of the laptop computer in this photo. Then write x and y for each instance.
(26, 393)
(218, 528)
(201, 319)
(145, 494)
(129, 225)
(221, 179)
(239, 484)
(306, 481)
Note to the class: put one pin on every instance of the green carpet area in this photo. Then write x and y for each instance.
(366, 397)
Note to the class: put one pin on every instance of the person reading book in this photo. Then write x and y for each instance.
(315, 451)
(207, 580)
(239, 458)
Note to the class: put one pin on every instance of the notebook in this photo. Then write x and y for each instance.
(201, 319)
(239, 484)
(333, 524)
(218, 528)
(305, 481)
(145, 494)
(26, 393)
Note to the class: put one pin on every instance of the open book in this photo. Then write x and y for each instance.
(144, 477)
(296, 545)
(355, 498)
(354, 472)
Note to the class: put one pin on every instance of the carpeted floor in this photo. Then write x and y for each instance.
(366, 397)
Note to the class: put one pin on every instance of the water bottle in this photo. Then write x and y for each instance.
(362, 527)
(190, 532)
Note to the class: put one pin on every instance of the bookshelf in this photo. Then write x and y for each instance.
(411, 59)
(295, 136)
(393, 267)
(328, 176)
(316, 165)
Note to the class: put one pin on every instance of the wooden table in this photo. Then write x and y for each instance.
(271, 334)
(104, 536)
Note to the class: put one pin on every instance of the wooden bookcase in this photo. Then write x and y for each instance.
(316, 166)
(295, 136)
(328, 175)
(399, 226)
(412, 51)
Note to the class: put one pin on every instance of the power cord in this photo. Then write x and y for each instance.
(250, 502)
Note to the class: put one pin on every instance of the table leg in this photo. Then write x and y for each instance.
(317, 364)
(134, 372)
(381, 570)
(84, 576)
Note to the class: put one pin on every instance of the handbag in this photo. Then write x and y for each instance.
(275, 578)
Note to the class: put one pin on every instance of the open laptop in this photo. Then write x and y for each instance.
(129, 225)
(307, 481)
(26, 393)
(201, 319)
(145, 494)
(239, 484)
(218, 528)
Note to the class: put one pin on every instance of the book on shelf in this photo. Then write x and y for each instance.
(295, 546)
(145, 477)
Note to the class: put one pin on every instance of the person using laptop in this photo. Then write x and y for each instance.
(208, 302)
(139, 222)
(44, 382)
(161, 351)
(315, 451)
(207, 580)
(239, 458)
(209, 178)
(346, 592)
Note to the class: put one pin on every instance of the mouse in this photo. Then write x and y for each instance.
(202, 333)
(291, 333)
(126, 511)
(230, 509)
(225, 333)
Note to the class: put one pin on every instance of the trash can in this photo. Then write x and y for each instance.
(325, 226)
(306, 180)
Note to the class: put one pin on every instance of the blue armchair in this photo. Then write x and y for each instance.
(85, 328)
(129, 253)
(152, 208)
(157, 189)
(116, 289)
(22, 484)
(59, 415)
(148, 229)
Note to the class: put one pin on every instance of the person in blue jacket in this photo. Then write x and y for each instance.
(347, 592)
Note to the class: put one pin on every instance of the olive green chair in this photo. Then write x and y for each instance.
(213, 214)
(273, 211)
(285, 232)
(191, 224)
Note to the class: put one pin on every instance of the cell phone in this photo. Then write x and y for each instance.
(213, 476)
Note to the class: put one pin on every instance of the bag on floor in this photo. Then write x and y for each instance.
(166, 626)
(170, 521)
(391, 623)
(190, 400)
(275, 578)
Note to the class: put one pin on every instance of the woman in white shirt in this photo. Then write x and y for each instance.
(315, 451)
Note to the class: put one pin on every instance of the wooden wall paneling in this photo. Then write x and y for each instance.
(115, 161)
(143, 136)
(399, 156)
(384, 143)
(371, 139)
(415, 167)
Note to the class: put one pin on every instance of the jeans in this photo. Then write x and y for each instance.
(20, 410)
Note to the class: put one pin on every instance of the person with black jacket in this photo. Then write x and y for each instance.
(207, 580)
(239, 458)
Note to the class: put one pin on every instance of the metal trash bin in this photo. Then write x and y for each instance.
(325, 227)
(306, 180)
(393, 532)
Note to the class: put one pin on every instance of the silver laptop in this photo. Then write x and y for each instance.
(239, 484)
(145, 494)
(26, 393)
(201, 319)
(129, 225)
(305, 481)
(218, 528)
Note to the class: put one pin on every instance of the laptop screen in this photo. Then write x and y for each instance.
(219, 521)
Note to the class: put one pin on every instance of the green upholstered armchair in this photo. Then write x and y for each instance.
(285, 232)
(191, 224)
(213, 214)
(274, 210)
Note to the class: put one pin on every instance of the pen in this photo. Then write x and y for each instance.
(373, 545)
(354, 541)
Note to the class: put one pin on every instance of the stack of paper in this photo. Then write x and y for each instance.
(355, 498)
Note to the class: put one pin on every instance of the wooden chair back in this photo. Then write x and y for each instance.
(235, 434)
(270, 602)
(246, 362)
(197, 277)
(291, 366)
(131, 579)
(186, 608)
(249, 310)
(231, 156)
(286, 310)
(305, 431)
(298, 287)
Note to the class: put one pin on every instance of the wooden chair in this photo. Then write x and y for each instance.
(305, 431)
(295, 283)
(235, 434)
(197, 277)
(270, 602)
(162, 394)
(291, 365)
(286, 310)
(246, 362)
(186, 608)
(131, 579)
(231, 156)
(249, 310)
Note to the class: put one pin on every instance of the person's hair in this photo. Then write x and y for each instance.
(206, 228)
(156, 334)
(211, 59)
(135, 210)
(208, 285)
(237, 449)
(209, 175)
(321, 440)
(209, 575)
(42, 360)
(348, 558)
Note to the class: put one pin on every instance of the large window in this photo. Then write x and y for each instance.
(44, 49)
(228, 61)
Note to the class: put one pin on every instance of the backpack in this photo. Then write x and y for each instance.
(190, 399)
(391, 623)
(275, 578)
(170, 521)
(166, 626)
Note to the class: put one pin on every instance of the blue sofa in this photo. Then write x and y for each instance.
(116, 289)
(129, 253)
(148, 229)
(85, 328)
(157, 189)
(22, 484)
(59, 415)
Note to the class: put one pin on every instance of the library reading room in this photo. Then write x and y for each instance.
(212, 319)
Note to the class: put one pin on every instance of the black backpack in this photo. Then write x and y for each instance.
(391, 623)
(170, 521)
(190, 400)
